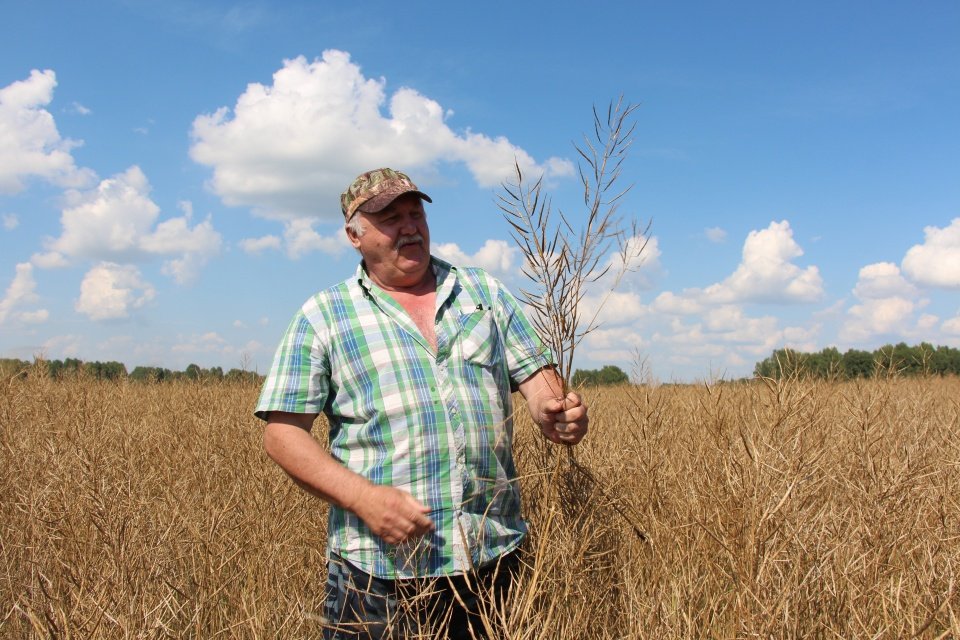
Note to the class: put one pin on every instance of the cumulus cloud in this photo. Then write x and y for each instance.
(287, 150)
(730, 338)
(613, 308)
(643, 254)
(79, 109)
(715, 234)
(111, 291)
(32, 146)
(496, 256)
(20, 293)
(65, 346)
(211, 342)
(936, 262)
(10, 221)
(207, 342)
(882, 280)
(617, 344)
(261, 244)
(671, 303)
(887, 304)
(301, 238)
(875, 317)
(49, 260)
(118, 222)
(952, 325)
(766, 272)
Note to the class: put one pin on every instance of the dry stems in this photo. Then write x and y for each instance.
(776, 509)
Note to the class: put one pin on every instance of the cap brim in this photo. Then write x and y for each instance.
(383, 200)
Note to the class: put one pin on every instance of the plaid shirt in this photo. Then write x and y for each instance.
(436, 424)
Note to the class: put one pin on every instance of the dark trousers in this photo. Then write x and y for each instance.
(360, 606)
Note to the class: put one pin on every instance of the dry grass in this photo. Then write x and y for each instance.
(776, 510)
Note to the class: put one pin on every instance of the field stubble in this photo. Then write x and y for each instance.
(774, 509)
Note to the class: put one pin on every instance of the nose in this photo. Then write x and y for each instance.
(409, 225)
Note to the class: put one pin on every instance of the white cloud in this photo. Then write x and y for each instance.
(35, 317)
(66, 346)
(259, 245)
(936, 262)
(210, 342)
(21, 292)
(876, 317)
(613, 308)
(715, 234)
(927, 323)
(617, 338)
(110, 291)
(952, 325)
(189, 347)
(728, 339)
(78, 108)
(49, 260)
(643, 255)
(882, 280)
(619, 344)
(175, 235)
(184, 269)
(766, 273)
(496, 256)
(289, 149)
(301, 239)
(117, 222)
(31, 145)
(670, 303)
(109, 221)
(10, 221)
(887, 306)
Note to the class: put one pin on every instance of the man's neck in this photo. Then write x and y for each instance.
(427, 283)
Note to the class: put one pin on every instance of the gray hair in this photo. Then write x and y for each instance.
(355, 225)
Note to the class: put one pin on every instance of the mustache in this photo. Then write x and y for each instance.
(414, 239)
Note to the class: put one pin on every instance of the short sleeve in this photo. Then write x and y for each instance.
(299, 378)
(525, 350)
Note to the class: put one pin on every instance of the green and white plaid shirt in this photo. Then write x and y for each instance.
(436, 424)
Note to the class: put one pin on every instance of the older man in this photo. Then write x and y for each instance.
(413, 361)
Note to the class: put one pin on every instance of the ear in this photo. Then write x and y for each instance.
(352, 237)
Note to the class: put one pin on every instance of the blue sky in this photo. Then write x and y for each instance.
(170, 171)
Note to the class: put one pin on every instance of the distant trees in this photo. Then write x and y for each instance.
(113, 370)
(595, 377)
(13, 366)
(900, 359)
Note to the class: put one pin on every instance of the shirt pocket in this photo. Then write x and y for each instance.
(479, 339)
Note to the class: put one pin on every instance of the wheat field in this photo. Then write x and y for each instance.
(770, 509)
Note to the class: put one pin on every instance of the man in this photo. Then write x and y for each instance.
(413, 362)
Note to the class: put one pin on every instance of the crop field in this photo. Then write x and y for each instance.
(769, 509)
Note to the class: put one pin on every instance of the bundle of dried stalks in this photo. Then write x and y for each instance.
(563, 262)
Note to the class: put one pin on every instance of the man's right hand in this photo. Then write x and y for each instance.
(392, 514)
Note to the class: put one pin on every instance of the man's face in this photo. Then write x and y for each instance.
(396, 243)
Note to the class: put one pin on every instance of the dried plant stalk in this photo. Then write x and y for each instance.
(560, 261)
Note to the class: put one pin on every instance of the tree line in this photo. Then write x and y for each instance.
(899, 359)
(609, 374)
(113, 370)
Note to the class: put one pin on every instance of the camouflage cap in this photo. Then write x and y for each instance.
(374, 190)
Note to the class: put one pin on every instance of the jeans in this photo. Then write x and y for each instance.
(360, 606)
